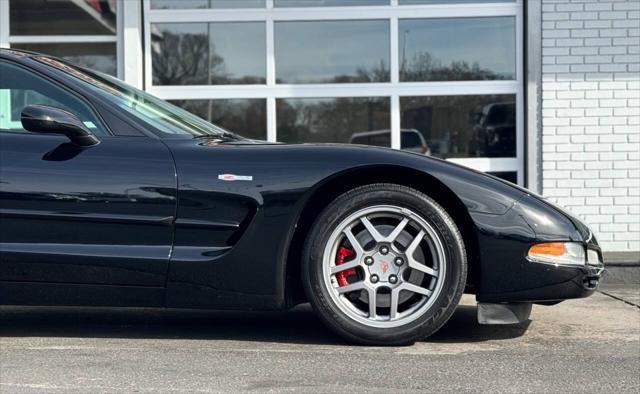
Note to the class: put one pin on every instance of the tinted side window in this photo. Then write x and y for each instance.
(20, 88)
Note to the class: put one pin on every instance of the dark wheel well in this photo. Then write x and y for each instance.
(380, 174)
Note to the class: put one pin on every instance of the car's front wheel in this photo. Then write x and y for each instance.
(384, 264)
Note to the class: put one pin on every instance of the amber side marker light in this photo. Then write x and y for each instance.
(558, 253)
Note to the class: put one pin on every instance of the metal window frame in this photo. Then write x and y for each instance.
(533, 91)
(4, 24)
(130, 33)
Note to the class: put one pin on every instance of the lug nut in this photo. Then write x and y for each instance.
(393, 279)
(368, 260)
(384, 250)
(374, 278)
(398, 261)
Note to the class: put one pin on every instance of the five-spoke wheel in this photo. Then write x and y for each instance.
(395, 265)
(384, 264)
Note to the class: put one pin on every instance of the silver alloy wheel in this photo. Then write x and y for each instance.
(399, 264)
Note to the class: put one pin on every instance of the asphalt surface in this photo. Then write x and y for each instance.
(589, 345)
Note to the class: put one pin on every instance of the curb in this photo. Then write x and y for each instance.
(622, 259)
(622, 268)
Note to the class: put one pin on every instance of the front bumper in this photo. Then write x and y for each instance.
(546, 283)
(514, 277)
(556, 284)
(586, 279)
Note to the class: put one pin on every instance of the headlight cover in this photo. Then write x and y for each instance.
(593, 258)
(558, 253)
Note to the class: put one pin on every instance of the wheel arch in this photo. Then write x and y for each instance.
(327, 190)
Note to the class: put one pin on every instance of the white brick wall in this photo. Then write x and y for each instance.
(591, 114)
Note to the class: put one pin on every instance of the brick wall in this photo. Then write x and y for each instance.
(591, 114)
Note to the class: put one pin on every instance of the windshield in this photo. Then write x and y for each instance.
(165, 117)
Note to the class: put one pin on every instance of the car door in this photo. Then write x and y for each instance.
(94, 215)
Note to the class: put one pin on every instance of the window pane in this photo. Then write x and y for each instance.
(457, 49)
(185, 4)
(463, 126)
(352, 51)
(62, 17)
(407, 2)
(96, 56)
(243, 116)
(20, 88)
(208, 53)
(327, 3)
(510, 176)
(345, 120)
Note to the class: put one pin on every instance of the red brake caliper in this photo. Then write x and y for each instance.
(343, 254)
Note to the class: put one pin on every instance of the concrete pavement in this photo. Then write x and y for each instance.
(588, 345)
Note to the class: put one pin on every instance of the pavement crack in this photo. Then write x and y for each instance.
(619, 299)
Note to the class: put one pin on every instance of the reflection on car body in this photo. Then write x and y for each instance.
(410, 140)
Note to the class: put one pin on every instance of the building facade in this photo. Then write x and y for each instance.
(543, 93)
(591, 114)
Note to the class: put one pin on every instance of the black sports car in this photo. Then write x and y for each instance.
(111, 197)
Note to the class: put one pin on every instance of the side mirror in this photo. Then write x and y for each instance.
(50, 120)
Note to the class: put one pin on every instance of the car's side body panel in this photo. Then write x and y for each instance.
(248, 270)
(100, 215)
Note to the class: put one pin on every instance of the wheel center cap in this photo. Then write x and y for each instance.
(383, 266)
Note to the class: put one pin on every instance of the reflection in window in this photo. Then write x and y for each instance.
(247, 117)
(463, 126)
(410, 140)
(345, 120)
(352, 51)
(96, 56)
(192, 4)
(327, 3)
(62, 17)
(460, 49)
(208, 53)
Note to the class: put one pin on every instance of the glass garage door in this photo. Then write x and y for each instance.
(436, 77)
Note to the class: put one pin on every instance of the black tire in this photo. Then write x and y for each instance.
(379, 194)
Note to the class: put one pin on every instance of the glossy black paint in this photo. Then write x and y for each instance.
(141, 220)
(50, 120)
(97, 215)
